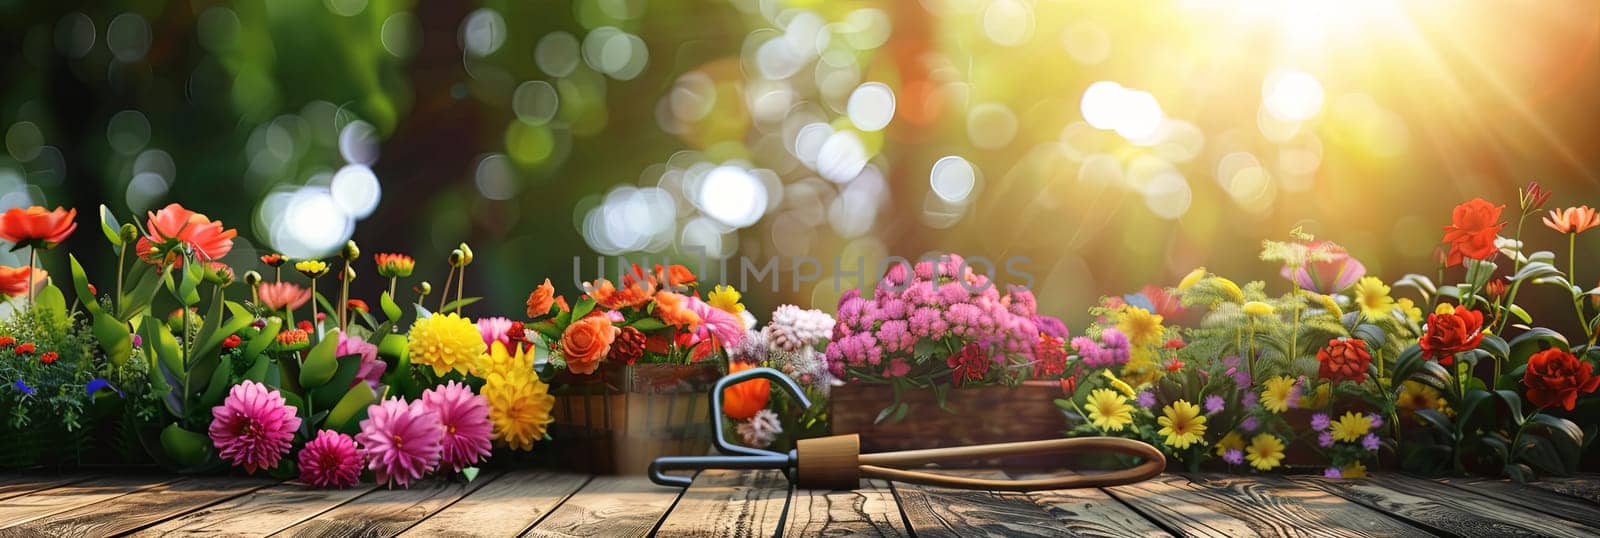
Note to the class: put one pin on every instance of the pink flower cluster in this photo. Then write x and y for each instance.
(943, 301)
(1111, 350)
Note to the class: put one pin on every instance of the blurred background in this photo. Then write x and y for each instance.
(1111, 144)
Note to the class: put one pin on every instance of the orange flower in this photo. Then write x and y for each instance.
(1472, 230)
(1572, 220)
(541, 300)
(586, 342)
(742, 401)
(174, 225)
(357, 304)
(36, 227)
(394, 265)
(675, 275)
(273, 259)
(26, 348)
(14, 280)
(282, 295)
(674, 309)
(49, 357)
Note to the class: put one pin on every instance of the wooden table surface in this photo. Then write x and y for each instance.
(760, 503)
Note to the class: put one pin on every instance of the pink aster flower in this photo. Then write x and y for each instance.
(371, 369)
(253, 428)
(466, 424)
(401, 441)
(495, 329)
(1233, 456)
(330, 461)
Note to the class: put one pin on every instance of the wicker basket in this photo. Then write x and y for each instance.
(617, 420)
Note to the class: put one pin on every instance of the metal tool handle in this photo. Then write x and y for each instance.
(738, 456)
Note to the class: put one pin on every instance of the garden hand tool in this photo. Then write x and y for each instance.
(836, 462)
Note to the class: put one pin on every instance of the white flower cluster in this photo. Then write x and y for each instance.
(761, 430)
(792, 328)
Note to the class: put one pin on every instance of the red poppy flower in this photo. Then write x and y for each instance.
(174, 225)
(1472, 230)
(26, 348)
(37, 227)
(49, 357)
(1555, 378)
(14, 280)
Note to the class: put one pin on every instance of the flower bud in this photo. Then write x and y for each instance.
(129, 232)
(349, 275)
(252, 278)
(457, 258)
(422, 288)
(350, 252)
(466, 254)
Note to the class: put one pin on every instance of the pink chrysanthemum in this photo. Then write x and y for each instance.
(727, 329)
(496, 329)
(371, 369)
(466, 424)
(330, 461)
(253, 428)
(401, 441)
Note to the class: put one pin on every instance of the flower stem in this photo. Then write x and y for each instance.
(391, 287)
(444, 295)
(122, 254)
(344, 294)
(313, 305)
(33, 260)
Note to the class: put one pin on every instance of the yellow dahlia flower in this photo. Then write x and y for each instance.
(1351, 427)
(446, 342)
(500, 360)
(726, 299)
(1275, 395)
(1108, 410)
(1373, 297)
(1142, 327)
(1265, 452)
(519, 408)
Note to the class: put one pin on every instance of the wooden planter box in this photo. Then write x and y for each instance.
(617, 420)
(978, 415)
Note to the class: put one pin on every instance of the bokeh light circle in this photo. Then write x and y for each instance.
(355, 190)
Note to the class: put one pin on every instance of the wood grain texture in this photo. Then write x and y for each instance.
(1092, 512)
(14, 484)
(854, 408)
(387, 512)
(507, 506)
(609, 506)
(1586, 487)
(270, 510)
(936, 511)
(1445, 509)
(24, 508)
(1255, 506)
(1532, 498)
(868, 511)
(730, 503)
(139, 509)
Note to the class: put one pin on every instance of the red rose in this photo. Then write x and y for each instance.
(1449, 333)
(1344, 359)
(1472, 230)
(49, 357)
(1555, 377)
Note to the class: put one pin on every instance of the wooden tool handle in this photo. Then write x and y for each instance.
(836, 463)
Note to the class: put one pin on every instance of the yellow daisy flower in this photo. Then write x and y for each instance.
(726, 299)
(1141, 369)
(519, 408)
(1183, 425)
(446, 342)
(1372, 295)
(1416, 396)
(1231, 441)
(1142, 327)
(1275, 396)
(1351, 427)
(1408, 308)
(1354, 470)
(501, 360)
(1118, 384)
(311, 268)
(1108, 410)
(1265, 452)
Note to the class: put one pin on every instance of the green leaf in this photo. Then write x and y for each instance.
(217, 386)
(1533, 341)
(1541, 453)
(51, 301)
(390, 309)
(1470, 404)
(185, 447)
(471, 473)
(109, 226)
(1521, 314)
(583, 308)
(1568, 430)
(643, 325)
(1421, 283)
(264, 338)
(1495, 346)
(457, 304)
(258, 369)
(114, 338)
(208, 325)
(1438, 421)
(80, 285)
(139, 298)
(1535, 270)
(346, 416)
(1513, 403)
(320, 364)
(159, 343)
(185, 288)
(329, 393)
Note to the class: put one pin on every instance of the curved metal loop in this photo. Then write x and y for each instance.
(738, 377)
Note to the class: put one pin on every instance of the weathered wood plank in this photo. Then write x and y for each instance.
(730, 503)
(269, 510)
(387, 512)
(15, 484)
(609, 506)
(507, 506)
(1255, 506)
(1531, 497)
(936, 511)
(1445, 509)
(24, 508)
(869, 511)
(1092, 512)
(139, 509)
(1586, 487)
